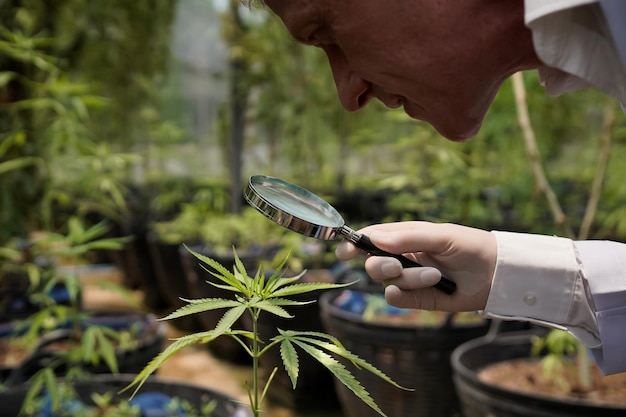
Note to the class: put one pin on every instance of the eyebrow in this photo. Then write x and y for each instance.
(296, 16)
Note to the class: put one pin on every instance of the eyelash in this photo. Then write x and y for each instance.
(314, 37)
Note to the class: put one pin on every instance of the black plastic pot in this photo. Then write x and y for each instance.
(135, 261)
(15, 301)
(149, 334)
(194, 395)
(413, 356)
(169, 271)
(481, 399)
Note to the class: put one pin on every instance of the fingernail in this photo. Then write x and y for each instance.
(430, 276)
(391, 268)
(341, 251)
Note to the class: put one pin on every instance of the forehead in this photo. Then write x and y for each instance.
(286, 7)
(296, 12)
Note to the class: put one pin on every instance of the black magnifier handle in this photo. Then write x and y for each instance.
(366, 244)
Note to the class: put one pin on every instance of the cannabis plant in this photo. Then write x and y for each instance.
(265, 294)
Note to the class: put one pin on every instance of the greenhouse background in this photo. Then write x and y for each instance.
(139, 123)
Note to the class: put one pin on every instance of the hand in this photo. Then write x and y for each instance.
(462, 254)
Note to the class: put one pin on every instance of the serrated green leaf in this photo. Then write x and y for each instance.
(290, 361)
(342, 374)
(276, 281)
(288, 302)
(88, 343)
(106, 350)
(230, 279)
(156, 363)
(224, 287)
(257, 285)
(239, 266)
(229, 318)
(200, 306)
(339, 349)
(270, 282)
(267, 305)
(37, 382)
(220, 272)
(50, 384)
(306, 287)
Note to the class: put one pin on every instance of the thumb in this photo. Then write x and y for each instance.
(346, 251)
(410, 237)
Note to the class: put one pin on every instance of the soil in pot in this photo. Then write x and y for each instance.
(478, 364)
(528, 375)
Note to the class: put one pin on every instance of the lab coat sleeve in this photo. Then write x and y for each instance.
(604, 265)
(540, 279)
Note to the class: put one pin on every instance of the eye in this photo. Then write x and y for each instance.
(312, 36)
(320, 36)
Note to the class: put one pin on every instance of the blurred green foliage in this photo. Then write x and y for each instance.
(84, 85)
(72, 88)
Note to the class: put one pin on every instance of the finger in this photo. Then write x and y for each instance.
(423, 300)
(346, 251)
(415, 279)
(403, 237)
(383, 267)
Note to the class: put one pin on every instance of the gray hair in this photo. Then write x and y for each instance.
(254, 3)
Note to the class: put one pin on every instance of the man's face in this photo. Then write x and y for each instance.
(427, 57)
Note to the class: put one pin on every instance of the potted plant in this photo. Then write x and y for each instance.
(512, 375)
(99, 396)
(411, 346)
(61, 340)
(76, 360)
(258, 294)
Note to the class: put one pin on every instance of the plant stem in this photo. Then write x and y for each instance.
(532, 150)
(603, 161)
(256, 407)
(584, 367)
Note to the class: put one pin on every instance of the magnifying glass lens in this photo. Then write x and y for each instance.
(298, 204)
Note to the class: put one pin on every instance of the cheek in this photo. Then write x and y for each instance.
(380, 59)
(378, 63)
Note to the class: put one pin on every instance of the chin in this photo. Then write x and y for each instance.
(459, 134)
(456, 130)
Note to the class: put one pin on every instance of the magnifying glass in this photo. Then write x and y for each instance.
(302, 211)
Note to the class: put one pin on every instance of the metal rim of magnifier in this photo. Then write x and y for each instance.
(288, 220)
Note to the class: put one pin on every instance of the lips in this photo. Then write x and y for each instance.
(391, 101)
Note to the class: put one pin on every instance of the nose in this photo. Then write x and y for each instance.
(354, 92)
